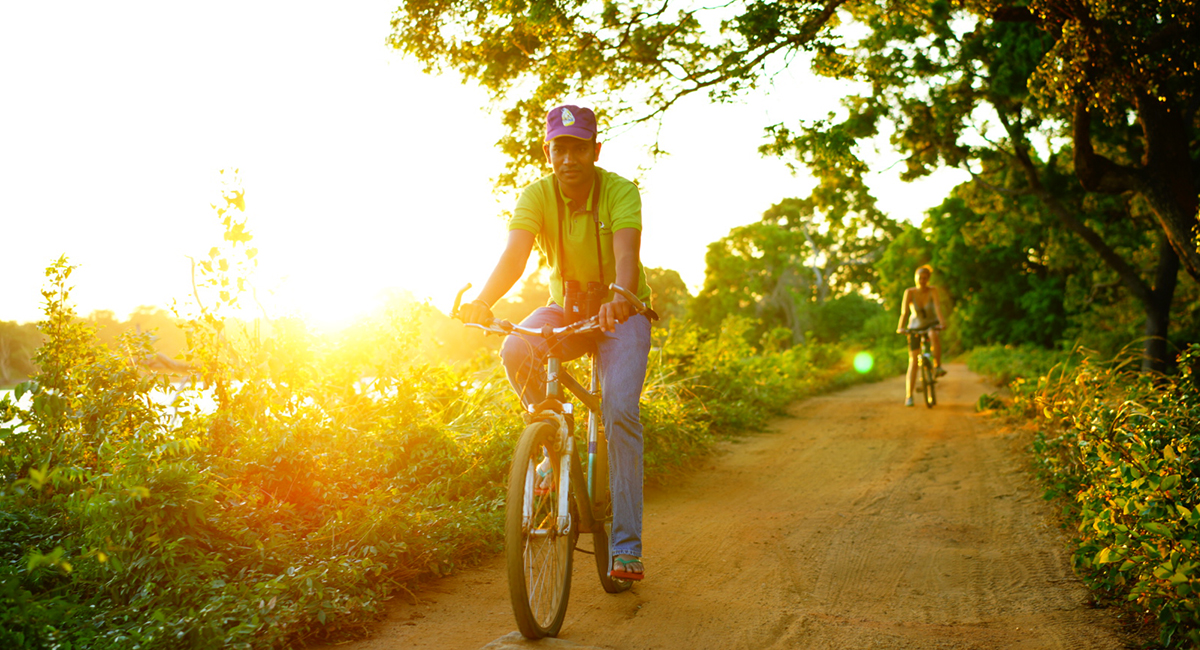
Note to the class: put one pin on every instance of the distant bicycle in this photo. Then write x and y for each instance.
(925, 362)
(551, 500)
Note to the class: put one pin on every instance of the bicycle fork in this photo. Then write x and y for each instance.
(566, 447)
(569, 467)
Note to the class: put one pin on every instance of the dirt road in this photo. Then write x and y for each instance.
(856, 523)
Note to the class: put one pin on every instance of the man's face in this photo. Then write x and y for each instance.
(572, 159)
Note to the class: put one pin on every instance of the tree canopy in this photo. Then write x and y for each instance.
(1061, 102)
(1065, 63)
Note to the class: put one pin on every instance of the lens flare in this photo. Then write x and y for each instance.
(863, 362)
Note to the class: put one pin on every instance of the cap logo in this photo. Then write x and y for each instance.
(567, 118)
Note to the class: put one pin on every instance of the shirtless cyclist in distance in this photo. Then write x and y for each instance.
(920, 308)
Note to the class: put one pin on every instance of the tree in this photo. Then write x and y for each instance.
(1071, 73)
(163, 328)
(671, 298)
(936, 89)
(782, 270)
(841, 249)
(1008, 277)
(18, 343)
(648, 56)
(756, 271)
(1114, 60)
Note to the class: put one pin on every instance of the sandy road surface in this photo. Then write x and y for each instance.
(856, 523)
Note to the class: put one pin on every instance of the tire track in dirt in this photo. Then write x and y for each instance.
(855, 523)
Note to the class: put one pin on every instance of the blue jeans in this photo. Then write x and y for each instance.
(623, 357)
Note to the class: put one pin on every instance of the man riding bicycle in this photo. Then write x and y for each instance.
(587, 222)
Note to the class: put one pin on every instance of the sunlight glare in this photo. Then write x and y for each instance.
(863, 362)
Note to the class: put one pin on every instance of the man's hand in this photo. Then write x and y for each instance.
(476, 312)
(618, 310)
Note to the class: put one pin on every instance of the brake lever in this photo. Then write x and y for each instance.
(458, 301)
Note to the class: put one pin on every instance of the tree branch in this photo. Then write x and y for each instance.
(1129, 276)
(1095, 172)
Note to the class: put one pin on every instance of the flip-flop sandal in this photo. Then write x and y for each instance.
(622, 572)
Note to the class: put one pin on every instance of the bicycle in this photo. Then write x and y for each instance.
(551, 501)
(925, 363)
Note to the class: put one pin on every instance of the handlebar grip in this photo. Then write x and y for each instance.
(628, 295)
(458, 300)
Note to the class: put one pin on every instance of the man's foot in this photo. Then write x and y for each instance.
(627, 567)
(908, 401)
(939, 371)
(545, 477)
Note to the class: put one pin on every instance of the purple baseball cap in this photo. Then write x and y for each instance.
(570, 120)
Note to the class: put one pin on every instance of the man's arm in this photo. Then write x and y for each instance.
(627, 246)
(508, 270)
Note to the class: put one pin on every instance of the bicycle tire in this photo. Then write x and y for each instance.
(537, 555)
(602, 511)
(927, 381)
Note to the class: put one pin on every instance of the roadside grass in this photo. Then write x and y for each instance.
(1120, 451)
(1005, 364)
(302, 481)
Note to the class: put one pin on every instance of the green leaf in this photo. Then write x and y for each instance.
(1158, 529)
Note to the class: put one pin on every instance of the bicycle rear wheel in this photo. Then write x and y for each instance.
(537, 553)
(927, 381)
(602, 511)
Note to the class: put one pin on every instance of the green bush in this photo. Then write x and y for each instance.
(321, 477)
(1123, 448)
(1006, 364)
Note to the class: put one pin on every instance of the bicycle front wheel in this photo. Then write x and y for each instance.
(537, 546)
(927, 380)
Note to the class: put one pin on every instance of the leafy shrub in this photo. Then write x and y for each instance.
(1005, 364)
(845, 315)
(1123, 448)
(295, 482)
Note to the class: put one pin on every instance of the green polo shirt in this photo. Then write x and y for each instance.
(619, 207)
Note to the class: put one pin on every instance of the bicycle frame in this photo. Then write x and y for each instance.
(927, 371)
(926, 349)
(557, 379)
(540, 532)
(926, 344)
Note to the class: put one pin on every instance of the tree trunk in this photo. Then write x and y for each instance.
(1168, 183)
(1155, 351)
(1165, 178)
(784, 298)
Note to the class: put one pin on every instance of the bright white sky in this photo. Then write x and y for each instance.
(361, 174)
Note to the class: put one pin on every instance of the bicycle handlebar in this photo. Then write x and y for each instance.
(579, 327)
(922, 330)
